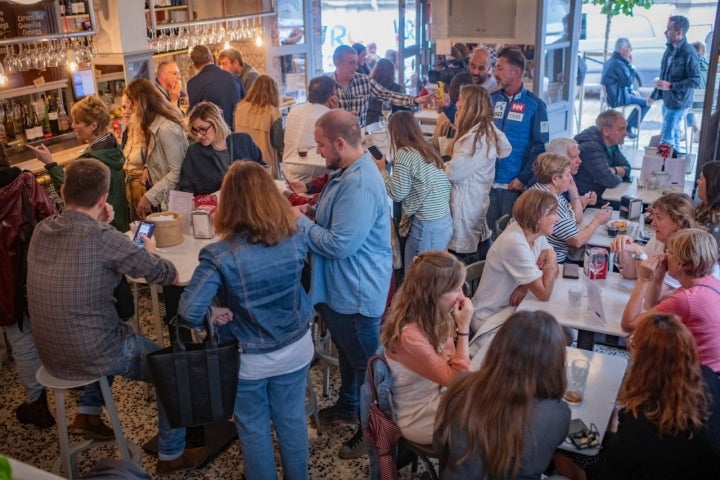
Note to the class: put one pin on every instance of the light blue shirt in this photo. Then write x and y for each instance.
(350, 241)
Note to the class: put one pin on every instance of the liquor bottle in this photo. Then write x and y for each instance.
(37, 124)
(63, 118)
(17, 120)
(28, 126)
(3, 134)
(53, 116)
(8, 122)
(68, 7)
(47, 130)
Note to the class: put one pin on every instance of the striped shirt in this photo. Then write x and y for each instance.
(423, 188)
(355, 97)
(565, 228)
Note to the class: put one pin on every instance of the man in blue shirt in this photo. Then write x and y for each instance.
(351, 261)
(522, 116)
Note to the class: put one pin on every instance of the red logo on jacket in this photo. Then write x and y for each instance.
(517, 107)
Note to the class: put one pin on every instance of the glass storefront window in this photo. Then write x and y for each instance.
(290, 23)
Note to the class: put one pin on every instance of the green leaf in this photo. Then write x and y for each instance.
(5, 469)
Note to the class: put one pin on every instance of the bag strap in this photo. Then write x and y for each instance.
(370, 374)
(708, 286)
(27, 226)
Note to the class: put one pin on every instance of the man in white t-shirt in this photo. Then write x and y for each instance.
(300, 126)
(520, 260)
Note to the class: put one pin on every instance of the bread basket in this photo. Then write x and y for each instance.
(168, 228)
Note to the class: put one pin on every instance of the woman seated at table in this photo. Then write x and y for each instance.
(90, 123)
(691, 256)
(429, 313)
(668, 425)
(553, 175)
(476, 146)
(208, 159)
(254, 273)
(507, 419)
(670, 213)
(420, 183)
(521, 259)
(707, 213)
(569, 148)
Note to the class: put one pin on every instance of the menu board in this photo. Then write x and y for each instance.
(35, 20)
(7, 21)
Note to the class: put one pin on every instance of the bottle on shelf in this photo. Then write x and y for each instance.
(8, 120)
(3, 134)
(78, 7)
(37, 124)
(28, 126)
(17, 120)
(63, 119)
(53, 116)
(47, 131)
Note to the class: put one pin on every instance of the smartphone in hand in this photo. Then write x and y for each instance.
(375, 152)
(145, 228)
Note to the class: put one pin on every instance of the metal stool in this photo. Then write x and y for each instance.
(67, 462)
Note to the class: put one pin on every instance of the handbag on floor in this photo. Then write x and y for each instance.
(196, 382)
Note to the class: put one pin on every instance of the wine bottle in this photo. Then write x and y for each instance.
(63, 119)
(7, 113)
(47, 130)
(28, 126)
(53, 116)
(3, 134)
(17, 120)
(37, 124)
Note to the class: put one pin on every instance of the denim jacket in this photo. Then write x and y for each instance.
(260, 284)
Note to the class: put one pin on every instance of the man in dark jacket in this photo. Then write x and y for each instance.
(603, 164)
(679, 77)
(618, 76)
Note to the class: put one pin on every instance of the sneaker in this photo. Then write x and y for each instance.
(91, 427)
(36, 412)
(191, 458)
(334, 416)
(356, 447)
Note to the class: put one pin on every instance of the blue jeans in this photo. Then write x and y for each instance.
(356, 338)
(132, 364)
(26, 357)
(427, 235)
(282, 400)
(501, 203)
(670, 132)
(632, 121)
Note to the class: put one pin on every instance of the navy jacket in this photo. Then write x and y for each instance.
(681, 67)
(594, 173)
(213, 84)
(618, 76)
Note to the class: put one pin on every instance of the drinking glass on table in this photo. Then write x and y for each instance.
(386, 111)
(184, 104)
(619, 261)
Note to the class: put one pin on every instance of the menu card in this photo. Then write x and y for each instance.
(182, 202)
(594, 304)
(650, 164)
(676, 168)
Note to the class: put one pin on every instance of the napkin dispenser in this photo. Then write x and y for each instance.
(630, 207)
(202, 223)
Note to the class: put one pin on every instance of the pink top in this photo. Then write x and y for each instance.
(414, 351)
(696, 307)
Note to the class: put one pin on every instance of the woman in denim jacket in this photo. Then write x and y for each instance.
(253, 272)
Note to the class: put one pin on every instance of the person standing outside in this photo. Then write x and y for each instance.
(231, 60)
(679, 77)
(213, 84)
(481, 67)
(355, 89)
(618, 76)
(351, 261)
(522, 117)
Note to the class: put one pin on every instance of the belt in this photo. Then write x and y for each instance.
(504, 186)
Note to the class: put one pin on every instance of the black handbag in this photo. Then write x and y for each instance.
(196, 382)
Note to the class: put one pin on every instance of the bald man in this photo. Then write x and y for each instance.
(481, 68)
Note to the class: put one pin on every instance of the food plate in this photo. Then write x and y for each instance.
(621, 225)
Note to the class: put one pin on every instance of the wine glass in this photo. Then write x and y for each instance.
(386, 110)
(184, 104)
(619, 261)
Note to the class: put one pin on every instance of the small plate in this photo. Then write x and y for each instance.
(621, 225)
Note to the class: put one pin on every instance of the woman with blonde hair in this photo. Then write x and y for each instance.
(691, 256)
(253, 273)
(163, 142)
(553, 174)
(426, 340)
(132, 146)
(258, 115)
(668, 423)
(420, 183)
(209, 157)
(507, 419)
(478, 143)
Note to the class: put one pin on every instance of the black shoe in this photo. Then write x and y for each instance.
(334, 416)
(355, 447)
(36, 412)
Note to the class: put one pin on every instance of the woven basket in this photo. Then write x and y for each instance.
(167, 232)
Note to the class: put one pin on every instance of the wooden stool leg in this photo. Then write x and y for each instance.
(112, 413)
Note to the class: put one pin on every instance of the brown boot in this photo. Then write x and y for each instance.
(191, 458)
(91, 427)
(36, 412)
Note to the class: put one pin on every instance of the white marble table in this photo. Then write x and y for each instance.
(646, 195)
(614, 299)
(313, 159)
(23, 471)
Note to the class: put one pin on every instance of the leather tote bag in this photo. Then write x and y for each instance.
(196, 382)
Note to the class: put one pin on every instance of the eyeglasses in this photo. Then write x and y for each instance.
(201, 131)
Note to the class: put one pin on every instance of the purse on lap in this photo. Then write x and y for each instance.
(196, 382)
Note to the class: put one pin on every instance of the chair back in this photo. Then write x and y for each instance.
(473, 273)
(502, 223)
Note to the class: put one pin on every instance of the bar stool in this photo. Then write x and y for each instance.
(67, 462)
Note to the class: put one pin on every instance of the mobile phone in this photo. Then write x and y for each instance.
(375, 152)
(570, 270)
(145, 228)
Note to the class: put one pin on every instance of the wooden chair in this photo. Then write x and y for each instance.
(502, 223)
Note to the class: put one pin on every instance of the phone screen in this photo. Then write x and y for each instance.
(145, 228)
(375, 152)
